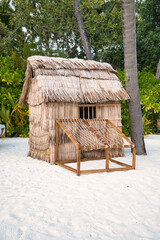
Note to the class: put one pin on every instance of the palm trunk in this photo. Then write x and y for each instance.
(131, 78)
(82, 30)
(158, 71)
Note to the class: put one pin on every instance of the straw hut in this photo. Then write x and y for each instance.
(57, 88)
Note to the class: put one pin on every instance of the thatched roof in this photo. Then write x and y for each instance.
(70, 80)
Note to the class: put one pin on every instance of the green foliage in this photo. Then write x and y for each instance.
(149, 89)
(150, 100)
(51, 29)
(11, 36)
(11, 83)
(148, 34)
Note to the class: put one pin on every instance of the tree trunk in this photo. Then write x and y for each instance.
(158, 71)
(131, 78)
(82, 30)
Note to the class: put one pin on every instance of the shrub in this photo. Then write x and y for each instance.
(11, 81)
(149, 89)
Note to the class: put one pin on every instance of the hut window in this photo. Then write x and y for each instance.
(88, 112)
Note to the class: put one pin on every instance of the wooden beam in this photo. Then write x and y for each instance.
(122, 134)
(78, 161)
(120, 163)
(66, 167)
(107, 151)
(100, 105)
(68, 134)
(120, 169)
(134, 158)
(120, 146)
(94, 171)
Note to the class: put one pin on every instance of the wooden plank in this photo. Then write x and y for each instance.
(66, 167)
(68, 134)
(100, 105)
(93, 171)
(134, 158)
(78, 161)
(120, 163)
(122, 134)
(120, 169)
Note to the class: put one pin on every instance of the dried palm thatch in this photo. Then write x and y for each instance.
(50, 79)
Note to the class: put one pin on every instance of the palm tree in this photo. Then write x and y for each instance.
(5, 11)
(158, 71)
(82, 30)
(131, 78)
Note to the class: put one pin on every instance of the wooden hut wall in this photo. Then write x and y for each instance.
(113, 113)
(66, 148)
(42, 120)
(38, 136)
(42, 131)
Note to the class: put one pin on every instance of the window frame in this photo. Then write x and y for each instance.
(89, 106)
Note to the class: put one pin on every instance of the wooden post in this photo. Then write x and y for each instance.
(56, 148)
(78, 161)
(107, 158)
(134, 158)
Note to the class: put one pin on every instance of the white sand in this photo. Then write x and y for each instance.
(43, 202)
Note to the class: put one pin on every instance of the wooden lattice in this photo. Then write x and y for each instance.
(89, 134)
